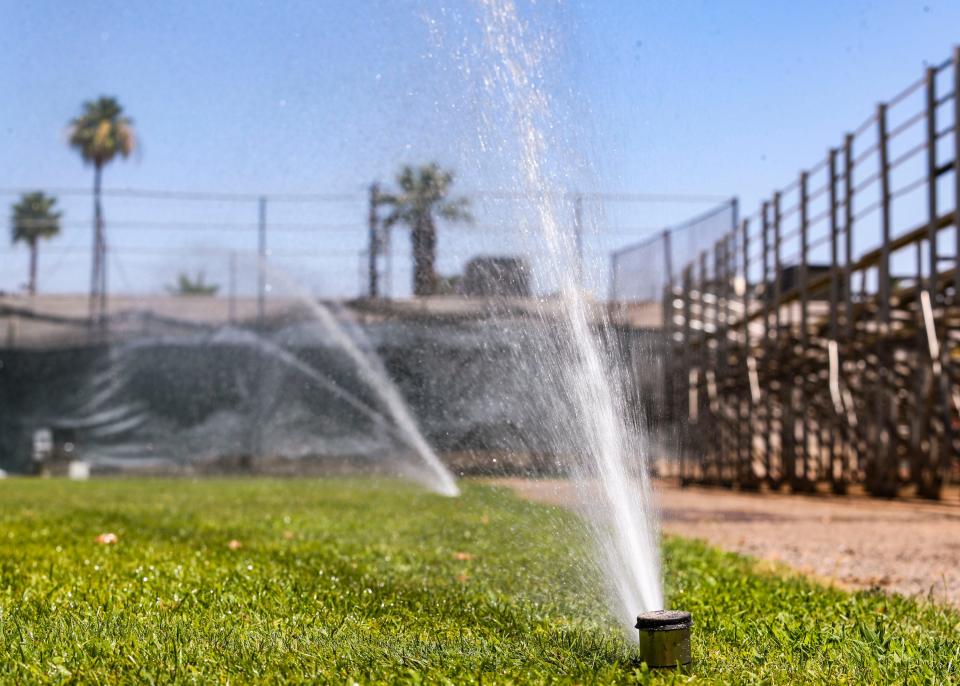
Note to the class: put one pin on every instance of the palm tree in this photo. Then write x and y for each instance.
(99, 134)
(34, 218)
(422, 197)
(189, 287)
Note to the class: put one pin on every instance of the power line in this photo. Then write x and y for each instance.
(212, 196)
(186, 251)
(217, 196)
(148, 224)
(154, 225)
(692, 198)
(220, 252)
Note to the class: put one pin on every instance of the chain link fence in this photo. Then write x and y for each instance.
(639, 273)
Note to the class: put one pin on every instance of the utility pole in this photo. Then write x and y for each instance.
(257, 446)
(668, 260)
(578, 232)
(362, 273)
(373, 277)
(388, 271)
(262, 261)
(232, 303)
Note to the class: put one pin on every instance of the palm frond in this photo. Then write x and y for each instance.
(34, 218)
(102, 132)
(456, 210)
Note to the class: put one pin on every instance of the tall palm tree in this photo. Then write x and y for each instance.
(99, 134)
(33, 219)
(422, 197)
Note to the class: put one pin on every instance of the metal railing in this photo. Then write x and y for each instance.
(817, 343)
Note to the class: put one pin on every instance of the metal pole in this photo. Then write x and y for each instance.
(922, 461)
(388, 242)
(258, 444)
(785, 427)
(836, 465)
(807, 480)
(262, 260)
(666, 316)
(612, 281)
(704, 447)
(931, 80)
(687, 367)
(767, 344)
(715, 367)
(373, 223)
(720, 278)
(884, 285)
(747, 424)
(884, 481)
(956, 169)
(848, 234)
(834, 276)
(668, 258)
(232, 302)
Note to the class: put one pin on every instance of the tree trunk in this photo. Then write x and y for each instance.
(103, 258)
(424, 237)
(32, 283)
(95, 269)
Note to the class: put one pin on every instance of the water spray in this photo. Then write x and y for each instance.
(665, 638)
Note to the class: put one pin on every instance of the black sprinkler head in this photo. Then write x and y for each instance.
(665, 637)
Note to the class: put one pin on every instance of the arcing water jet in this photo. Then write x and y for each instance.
(609, 470)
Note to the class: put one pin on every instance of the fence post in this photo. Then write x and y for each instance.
(785, 466)
(612, 279)
(666, 316)
(687, 368)
(931, 88)
(884, 171)
(668, 257)
(931, 472)
(836, 475)
(848, 235)
(723, 394)
(805, 482)
(767, 343)
(261, 259)
(714, 371)
(232, 295)
(749, 478)
(925, 385)
(884, 481)
(956, 170)
(704, 363)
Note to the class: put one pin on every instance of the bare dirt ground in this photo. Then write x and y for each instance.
(906, 547)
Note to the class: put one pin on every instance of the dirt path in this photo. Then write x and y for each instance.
(903, 547)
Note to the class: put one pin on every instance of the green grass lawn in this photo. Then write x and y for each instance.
(343, 581)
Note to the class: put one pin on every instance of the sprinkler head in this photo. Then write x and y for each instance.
(665, 637)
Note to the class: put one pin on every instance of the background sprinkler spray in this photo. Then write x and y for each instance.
(665, 637)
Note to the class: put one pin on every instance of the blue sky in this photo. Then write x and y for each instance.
(728, 98)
